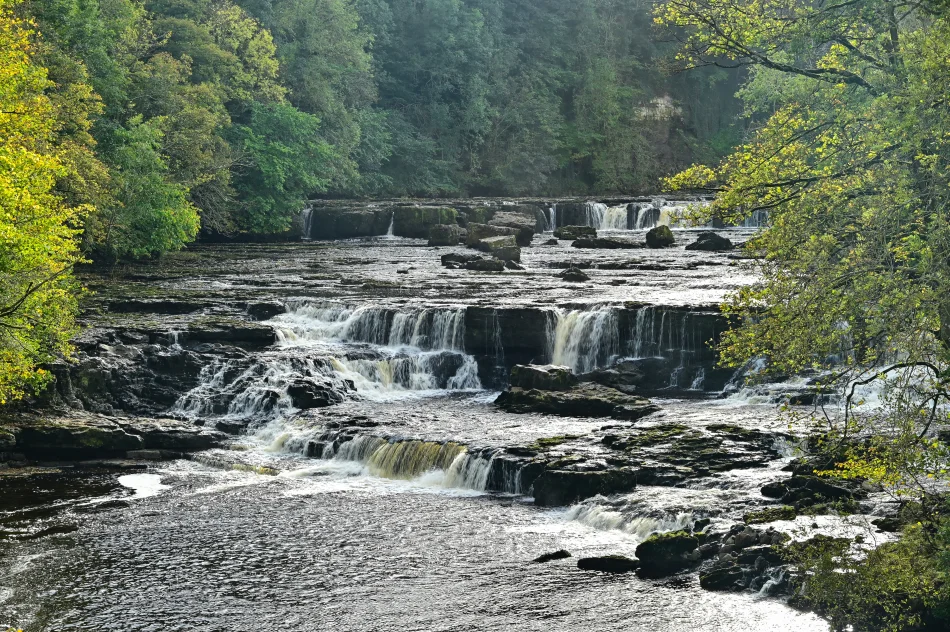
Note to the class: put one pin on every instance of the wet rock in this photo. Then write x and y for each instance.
(583, 400)
(660, 237)
(417, 221)
(228, 330)
(265, 310)
(574, 232)
(624, 376)
(445, 235)
(485, 265)
(458, 258)
(666, 553)
(701, 524)
(770, 514)
(478, 232)
(503, 247)
(7, 440)
(608, 564)
(554, 555)
(511, 265)
(523, 224)
(169, 434)
(551, 242)
(548, 377)
(727, 576)
(336, 223)
(805, 491)
(574, 275)
(604, 243)
(710, 242)
(308, 394)
(72, 438)
(889, 525)
(558, 487)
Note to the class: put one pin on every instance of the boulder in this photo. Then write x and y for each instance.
(574, 232)
(522, 223)
(265, 310)
(624, 376)
(660, 237)
(726, 576)
(583, 400)
(417, 221)
(711, 242)
(554, 555)
(666, 553)
(604, 243)
(458, 258)
(548, 377)
(504, 247)
(307, 394)
(445, 235)
(551, 242)
(574, 275)
(485, 265)
(559, 487)
(478, 232)
(608, 564)
(511, 265)
(475, 214)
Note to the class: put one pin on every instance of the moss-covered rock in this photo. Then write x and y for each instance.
(660, 237)
(445, 235)
(666, 553)
(416, 221)
(770, 514)
(342, 223)
(477, 232)
(524, 224)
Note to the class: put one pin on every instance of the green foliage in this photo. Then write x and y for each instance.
(285, 160)
(37, 228)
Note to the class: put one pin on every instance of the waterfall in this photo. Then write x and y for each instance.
(551, 219)
(607, 518)
(306, 217)
(413, 350)
(586, 340)
(440, 464)
(644, 219)
(615, 218)
(392, 222)
(595, 213)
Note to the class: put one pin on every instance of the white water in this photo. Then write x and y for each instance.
(586, 340)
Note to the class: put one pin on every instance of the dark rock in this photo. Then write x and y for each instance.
(583, 400)
(889, 525)
(604, 243)
(666, 553)
(774, 490)
(701, 524)
(265, 310)
(574, 275)
(511, 265)
(710, 241)
(456, 257)
(307, 394)
(608, 564)
(554, 555)
(551, 242)
(556, 487)
(624, 376)
(417, 221)
(546, 377)
(660, 237)
(729, 576)
(445, 235)
(618, 281)
(342, 223)
(574, 232)
(485, 265)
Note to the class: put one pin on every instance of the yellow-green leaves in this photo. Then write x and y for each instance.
(37, 229)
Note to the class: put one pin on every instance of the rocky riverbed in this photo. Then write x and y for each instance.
(354, 435)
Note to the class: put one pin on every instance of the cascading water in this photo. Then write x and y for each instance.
(595, 213)
(392, 223)
(551, 218)
(306, 217)
(586, 340)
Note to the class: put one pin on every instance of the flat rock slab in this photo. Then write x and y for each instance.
(583, 400)
(79, 435)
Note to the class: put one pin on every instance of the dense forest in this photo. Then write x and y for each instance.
(221, 116)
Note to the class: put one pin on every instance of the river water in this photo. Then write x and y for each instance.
(400, 528)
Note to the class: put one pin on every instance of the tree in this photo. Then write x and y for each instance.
(38, 230)
(849, 157)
